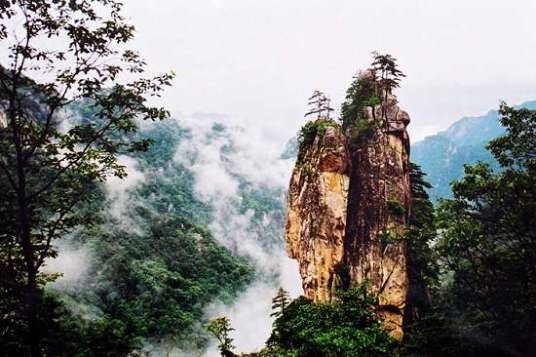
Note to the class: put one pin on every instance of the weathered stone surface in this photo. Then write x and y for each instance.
(316, 213)
(348, 204)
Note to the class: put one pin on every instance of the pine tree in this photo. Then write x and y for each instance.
(386, 72)
(319, 104)
(221, 328)
(279, 303)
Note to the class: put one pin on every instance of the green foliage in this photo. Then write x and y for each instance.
(309, 132)
(386, 72)
(372, 101)
(348, 326)
(483, 302)
(360, 94)
(157, 275)
(488, 242)
(426, 329)
(421, 234)
(395, 208)
(161, 281)
(148, 280)
(443, 159)
(261, 201)
(67, 334)
(369, 89)
(165, 137)
(279, 303)
(517, 148)
(443, 155)
(361, 132)
(388, 236)
(78, 52)
(435, 333)
(220, 328)
(363, 126)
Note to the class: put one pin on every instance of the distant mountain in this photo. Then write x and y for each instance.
(443, 155)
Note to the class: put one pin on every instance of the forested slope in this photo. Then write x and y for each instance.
(150, 266)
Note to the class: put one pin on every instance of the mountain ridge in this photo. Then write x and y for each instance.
(443, 155)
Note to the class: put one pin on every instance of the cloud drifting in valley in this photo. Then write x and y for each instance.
(219, 159)
(222, 160)
(118, 193)
(73, 262)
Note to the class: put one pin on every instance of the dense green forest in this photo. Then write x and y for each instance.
(151, 280)
(153, 266)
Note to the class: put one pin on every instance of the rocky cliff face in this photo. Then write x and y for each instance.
(348, 204)
(316, 213)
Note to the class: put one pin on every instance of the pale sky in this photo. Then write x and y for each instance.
(257, 61)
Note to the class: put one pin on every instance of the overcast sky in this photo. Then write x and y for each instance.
(259, 60)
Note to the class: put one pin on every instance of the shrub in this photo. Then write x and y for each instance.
(347, 326)
(395, 208)
(310, 131)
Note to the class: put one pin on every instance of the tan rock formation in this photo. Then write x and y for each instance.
(316, 213)
(348, 203)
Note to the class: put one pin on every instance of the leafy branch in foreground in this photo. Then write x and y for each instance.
(59, 52)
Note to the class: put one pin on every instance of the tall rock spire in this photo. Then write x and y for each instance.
(349, 201)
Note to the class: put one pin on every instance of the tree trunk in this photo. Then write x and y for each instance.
(32, 298)
(32, 306)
